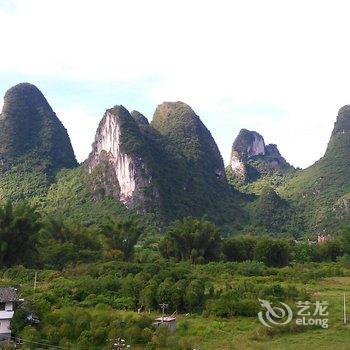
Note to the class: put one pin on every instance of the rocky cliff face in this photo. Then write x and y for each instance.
(171, 166)
(117, 159)
(247, 144)
(249, 152)
(31, 132)
(342, 124)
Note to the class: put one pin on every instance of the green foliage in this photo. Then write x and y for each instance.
(230, 304)
(17, 185)
(19, 226)
(272, 252)
(121, 235)
(238, 248)
(84, 305)
(260, 172)
(194, 182)
(331, 250)
(191, 239)
(345, 239)
(31, 135)
(91, 328)
(71, 198)
(321, 191)
(61, 243)
(306, 252)
(242, 299)
(270, 211)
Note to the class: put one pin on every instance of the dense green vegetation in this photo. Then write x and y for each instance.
(187, 171)
(31, 135)
(93, 280)
(206, 247)
(84, 306)
(195, 181)
(321, 191)
(54, 242)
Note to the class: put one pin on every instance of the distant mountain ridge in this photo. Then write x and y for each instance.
(166, 169)
(171, 166)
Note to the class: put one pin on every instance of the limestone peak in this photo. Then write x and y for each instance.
(29, 128)
(249, 146)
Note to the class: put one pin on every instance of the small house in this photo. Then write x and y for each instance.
(168, 321)
(8, 302)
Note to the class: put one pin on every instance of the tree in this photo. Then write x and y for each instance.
(272, 252)
(164, 292)
(148, 296)
(306, 252)
(19, 226)
(177, 294)
(121, 235)
(345, 239)
(238, 248)
(194, 296)
(270, 211)
(330, 250)
(62, 242)
(191, 239)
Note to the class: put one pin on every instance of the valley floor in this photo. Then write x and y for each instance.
(64, 311)
(243, 333)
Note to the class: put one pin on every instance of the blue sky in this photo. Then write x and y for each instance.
(80, 105)
(280, 68)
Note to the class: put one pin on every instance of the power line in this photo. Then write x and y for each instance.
(41, 343)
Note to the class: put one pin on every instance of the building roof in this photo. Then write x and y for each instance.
(8, 294)
(6, 315)
(166, 319)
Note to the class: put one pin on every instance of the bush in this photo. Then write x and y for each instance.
(272, 252)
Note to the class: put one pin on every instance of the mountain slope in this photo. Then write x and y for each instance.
(120, 161)
(185, 130)
(322, 191)
(203, 188)
(254, 165)
(34, 144)
(29, 128)
(171, 167)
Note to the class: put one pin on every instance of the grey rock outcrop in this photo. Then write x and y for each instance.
(118, 159)
(248, 148)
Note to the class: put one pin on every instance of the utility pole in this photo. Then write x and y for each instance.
(35, 279)
(344, 308)
(163, 306)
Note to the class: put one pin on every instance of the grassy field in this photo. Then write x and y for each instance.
(247, 333)
(64, 308)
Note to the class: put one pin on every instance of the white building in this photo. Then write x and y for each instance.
(168, 321)
(8, 302)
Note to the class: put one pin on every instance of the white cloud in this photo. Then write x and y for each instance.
(217, 56)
